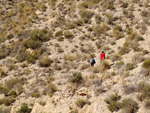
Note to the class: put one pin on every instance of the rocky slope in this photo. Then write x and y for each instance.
(45, 47)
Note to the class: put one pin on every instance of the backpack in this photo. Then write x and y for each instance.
(94, 61)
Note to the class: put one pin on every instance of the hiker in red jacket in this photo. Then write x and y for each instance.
(102, 56)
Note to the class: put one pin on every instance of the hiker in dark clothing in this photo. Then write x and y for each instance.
(92, 61)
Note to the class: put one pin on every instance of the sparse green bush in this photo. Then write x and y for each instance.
(3, 90)
(79, 22)
(13, 93)
(36, 94)
(145, 13)
(86, 14)
(99, 44)
(112, 101)
(76, 77)
(71, 25)
(4, 51)
(129, 66)
(101, 29)
(119, 64)
(114, 106)
(32, 57)
(9, 84)
(24, 109)
(81, 102)
(7, 101)
(125, 49)
(60, 39)
(117, 32)
(68, 35)
(129, 105)
(50, 90)
(10, 36)
(146, 64)
(108, 5)
(59, 33)
(45, 61)
(30, 43)
(60, 50)
(98, 19)
(52, 2)
(43, 103)
(144, 89)
(50, 79)
(74, 111)
(41, 34)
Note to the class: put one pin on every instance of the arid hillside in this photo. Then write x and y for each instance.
(45, 50)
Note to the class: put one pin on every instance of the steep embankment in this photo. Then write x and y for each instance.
(45, 47)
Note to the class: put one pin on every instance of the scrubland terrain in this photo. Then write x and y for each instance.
(45, 49)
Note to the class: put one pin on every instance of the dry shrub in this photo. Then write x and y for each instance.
(41, 34)
(137, 58)
(68, 35)
(112, 101)
(45, 61)
(130, 89)
(129, 66)
(50, 89)
(146, 67)
(116, 57)
(81, 103)
(7, 101)
(104, 66)
(128, 105)
(2, 73)
(86, 14)
(76, 77)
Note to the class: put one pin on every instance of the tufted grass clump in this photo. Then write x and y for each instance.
(146, 64)
(146, 67)
(7, 101)
(24, 108)
(86, 14)
(81, 103)
(36, 94)
(88, 4)
(9, 84)
(112, 101)
(130, 66)
(104, 66)
(68, 35)
(59, 33)
(32, 57)
(45, 61)
(117, 32)
(125, 49)
(50, 89)
(52, 2)
(76, 78)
